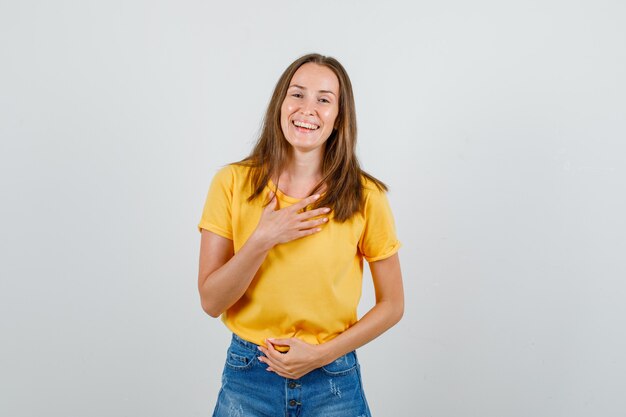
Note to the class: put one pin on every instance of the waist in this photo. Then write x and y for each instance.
(245, 343)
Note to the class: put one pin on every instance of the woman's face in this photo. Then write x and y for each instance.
(310, 108)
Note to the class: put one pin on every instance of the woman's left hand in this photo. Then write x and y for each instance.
(301, 358)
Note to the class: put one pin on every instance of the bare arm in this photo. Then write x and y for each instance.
(303, 357)
(388, 310)
(224, 276)
(218, 290)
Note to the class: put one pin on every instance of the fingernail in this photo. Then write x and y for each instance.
(316, 196)
(326, 210)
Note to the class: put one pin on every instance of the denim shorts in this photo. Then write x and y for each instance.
(248, 390)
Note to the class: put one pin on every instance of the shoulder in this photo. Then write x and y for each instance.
(232, 173)
(372, 189)
(374, 196)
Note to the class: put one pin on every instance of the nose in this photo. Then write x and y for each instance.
(308, 107)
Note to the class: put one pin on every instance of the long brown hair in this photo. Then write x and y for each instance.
(341, 172)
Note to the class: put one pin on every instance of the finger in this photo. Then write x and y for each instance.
(312, 223)
(284, 375)
(272, 353)
(314, 213)
(266, 361)
(265, 352)
(304, 202)
(274, 365)
(281, 373)
(281, 342)
(306, 232)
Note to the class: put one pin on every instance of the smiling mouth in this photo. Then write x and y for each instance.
(305, 125)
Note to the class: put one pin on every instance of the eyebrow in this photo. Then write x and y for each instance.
(320, 91)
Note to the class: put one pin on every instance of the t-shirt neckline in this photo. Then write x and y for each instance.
(280, 194)
(272, 187)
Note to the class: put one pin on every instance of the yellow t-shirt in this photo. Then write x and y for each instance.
(307, 288)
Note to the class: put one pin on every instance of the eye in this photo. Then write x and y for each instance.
(324, 100)
(296, 95)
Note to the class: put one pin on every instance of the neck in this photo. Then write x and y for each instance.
(300, 175)
(304, 166)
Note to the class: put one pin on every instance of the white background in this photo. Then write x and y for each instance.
(500, 127)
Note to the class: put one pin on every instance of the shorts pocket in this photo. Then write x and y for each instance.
(240, 358)
(343, 365)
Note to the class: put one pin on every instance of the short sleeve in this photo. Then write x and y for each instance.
(217, 212)
(378, 240)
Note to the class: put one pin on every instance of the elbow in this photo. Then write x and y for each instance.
(391, 311)
(208, 303)
(211, 310)
(401, 313)
(398, 312)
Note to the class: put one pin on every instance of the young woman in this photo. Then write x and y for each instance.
(284, 235)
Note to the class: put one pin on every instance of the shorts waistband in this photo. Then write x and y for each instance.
(244, 343)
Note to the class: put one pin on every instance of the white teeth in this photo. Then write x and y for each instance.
(305, 125)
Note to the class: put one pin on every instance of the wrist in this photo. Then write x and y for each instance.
(327, 353)
(260, 242)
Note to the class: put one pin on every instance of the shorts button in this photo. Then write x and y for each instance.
(292, 384)
(292, 403)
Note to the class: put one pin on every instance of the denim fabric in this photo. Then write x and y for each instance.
(248, 390)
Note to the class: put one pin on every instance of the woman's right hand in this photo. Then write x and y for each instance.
(289, 223)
